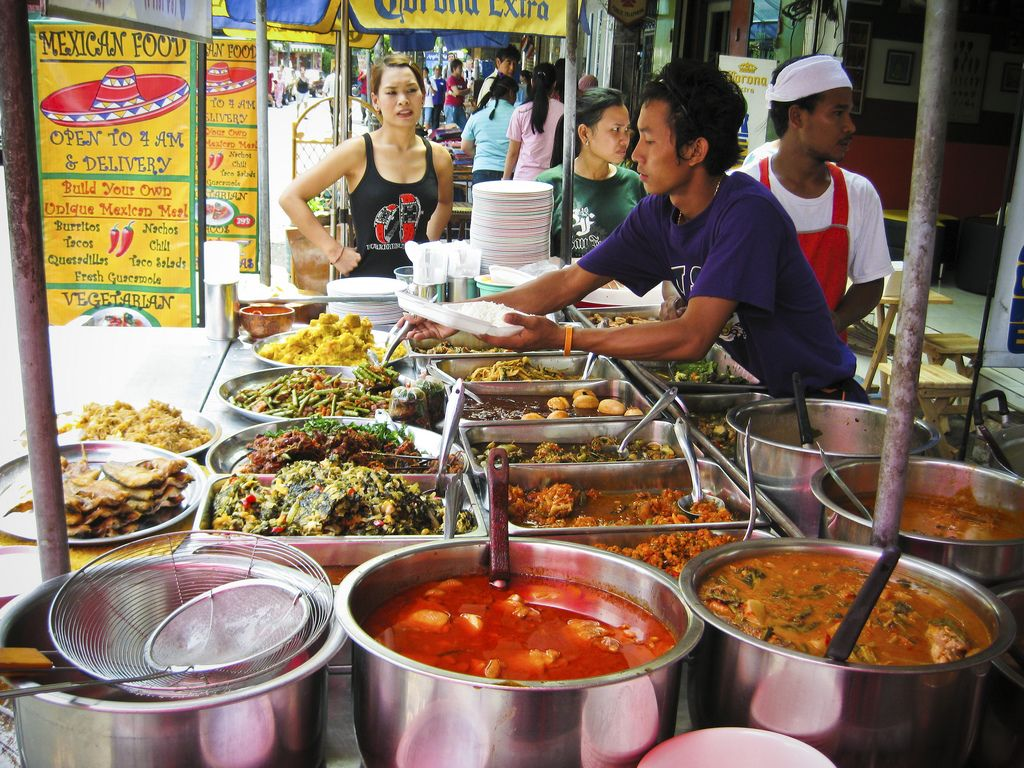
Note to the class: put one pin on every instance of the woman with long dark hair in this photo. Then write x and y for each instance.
(603, 192)
(531, 132)
(485, 135)
(400, 185)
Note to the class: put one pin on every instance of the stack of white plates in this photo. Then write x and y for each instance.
(511, 222)
(371, 297)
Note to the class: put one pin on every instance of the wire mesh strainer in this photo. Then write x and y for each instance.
(220, 609)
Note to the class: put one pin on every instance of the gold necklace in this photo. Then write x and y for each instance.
(682, 218)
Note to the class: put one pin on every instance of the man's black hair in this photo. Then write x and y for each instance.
(779, 110)
(508, 53)
(703, 102)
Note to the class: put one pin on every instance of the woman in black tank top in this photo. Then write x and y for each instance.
(400, 185)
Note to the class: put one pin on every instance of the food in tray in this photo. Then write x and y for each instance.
(957, 517)
(671, 551)
(157, 424)
(313, 392)
(329, 340)
(447, 348)
(465, 625)
(517, 369)
(380, 446)
(562, 505)
(618, 321)
(599, 449)
(118, 498)
(702, 372)
(420, 403)
(797, 599)
(309, 498)
(502, 407)
(716, 429)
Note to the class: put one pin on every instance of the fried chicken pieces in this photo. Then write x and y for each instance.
(119, 498)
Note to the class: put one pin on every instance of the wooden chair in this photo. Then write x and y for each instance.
(941, 393)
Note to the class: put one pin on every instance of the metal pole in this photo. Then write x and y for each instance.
(929, 144)
(201, 183)
(342, 132)
(569, 125)
(262, 141)
(25, 226)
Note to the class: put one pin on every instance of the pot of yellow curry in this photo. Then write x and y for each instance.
(910, 694)
(968, 518)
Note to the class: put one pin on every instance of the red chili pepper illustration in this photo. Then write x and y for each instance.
(128, 234)
(210, 160)
(115, 235)
(218, 160)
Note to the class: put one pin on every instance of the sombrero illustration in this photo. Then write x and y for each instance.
(221, 79)
(120, 97)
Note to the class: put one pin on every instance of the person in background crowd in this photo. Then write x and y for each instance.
(505, 61)
(439, 93)
(429, 92)
(531, 131)
(525, 87)
(604, 193)
(838, 214)
(455, 96)
(723, 242)
(301, 87)
(279, 86)
(485, 137)
(400, 185)
(586, 82)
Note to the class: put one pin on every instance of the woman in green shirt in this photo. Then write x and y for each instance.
(604, 192)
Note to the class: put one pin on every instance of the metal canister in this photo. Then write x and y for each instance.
(221, 310)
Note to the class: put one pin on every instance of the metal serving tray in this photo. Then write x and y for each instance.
(350, 551)
(587, 314)
(652, 476)
(227, 454)
(495, 390)
(661, 369)
(563, 432)
(463, 366)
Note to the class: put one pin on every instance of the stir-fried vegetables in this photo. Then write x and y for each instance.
(313, 392)
(324, 499)
(599, 449)
(517, 369)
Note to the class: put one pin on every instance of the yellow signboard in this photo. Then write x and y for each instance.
(115, 129)
(232, 158)
(521, 17)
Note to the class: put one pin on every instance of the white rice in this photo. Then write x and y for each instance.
(488, 311)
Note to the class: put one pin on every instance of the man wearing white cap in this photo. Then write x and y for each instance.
(838, 214)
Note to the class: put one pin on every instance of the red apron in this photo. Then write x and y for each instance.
(827, 250)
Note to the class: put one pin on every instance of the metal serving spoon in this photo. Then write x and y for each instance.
(450, 380)
(686, 503)
(656, 410)
(403, 328)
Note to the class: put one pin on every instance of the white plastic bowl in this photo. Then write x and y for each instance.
(734, 748)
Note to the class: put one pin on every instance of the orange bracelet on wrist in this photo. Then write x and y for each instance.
(568, 340)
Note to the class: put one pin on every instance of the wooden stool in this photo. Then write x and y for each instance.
(940, 347)
(941, 393)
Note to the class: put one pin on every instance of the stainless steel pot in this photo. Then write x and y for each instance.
(275, 723)
(1001, 741)
(985, 561)
(858, 715)
(412, 715)
(783, 468)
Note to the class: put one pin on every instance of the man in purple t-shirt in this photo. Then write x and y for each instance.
(723, 242)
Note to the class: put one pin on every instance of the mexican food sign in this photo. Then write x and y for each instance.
(115, 125)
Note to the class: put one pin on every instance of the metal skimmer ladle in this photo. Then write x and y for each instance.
(497, 495)
(656, 410)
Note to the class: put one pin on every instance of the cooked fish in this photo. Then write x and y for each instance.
(143, 473)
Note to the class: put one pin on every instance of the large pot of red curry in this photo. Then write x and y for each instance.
(910, 694)
(968, 518)
(576, 662)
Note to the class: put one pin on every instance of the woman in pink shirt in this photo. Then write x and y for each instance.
(531, 132)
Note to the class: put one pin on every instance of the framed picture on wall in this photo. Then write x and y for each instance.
(855, 58)
(899, 67)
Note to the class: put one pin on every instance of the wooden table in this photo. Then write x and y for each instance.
(885, 314)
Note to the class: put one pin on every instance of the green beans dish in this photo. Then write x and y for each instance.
(314, 392)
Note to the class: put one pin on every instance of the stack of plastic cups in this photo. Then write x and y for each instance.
(220, 286)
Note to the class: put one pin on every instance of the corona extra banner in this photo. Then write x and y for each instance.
(231, 148)
(115, 118)
(753, 77)
(521, 17)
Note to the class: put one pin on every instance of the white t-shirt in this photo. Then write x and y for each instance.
(869, 252)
